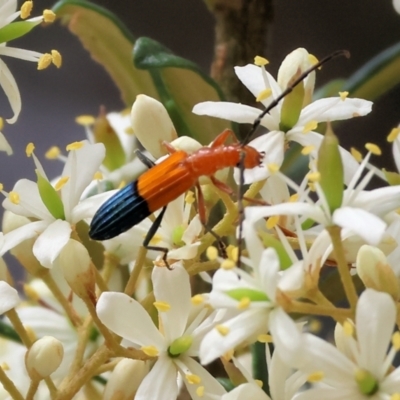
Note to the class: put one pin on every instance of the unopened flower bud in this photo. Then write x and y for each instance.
(374, 271)
(75, 263)
(152, 125)
(9, 298)
(44, 357)
(125, 379)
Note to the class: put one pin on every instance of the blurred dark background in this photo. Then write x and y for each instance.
(53, 98)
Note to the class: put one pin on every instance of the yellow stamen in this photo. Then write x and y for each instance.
(273, 168)
(85, 120)
(393, 134)
(31, 293)
(74, 146)
(313, 60)
(264, 338)
(1, 124)
(294, 197)
(228, 355)
(260, 61)
(258, 382)
(29, 149)
(373, 148)
(396, 340)
(272, 222)
(121, 185)
(306, 150)
(56, 58)
(5, 366)
(311, 186)
(264, 94)
(61, 182)
(44, 61)
(233, 252)
(162, 306)
(52, 153)
(31, 333)
(212, 253)
(48, 16)
(155, 239)
(244, 303)
(314, 326)
(222, 330)
(315, 377)
(193, 379)
(200, 391)
(395, 396)
(197, 299)
(26, 9)
(228, 264)
(356, 154)
(314, 176)
(1, 186)
(14, 197)
(150, 351)
(310, 126)
(98, 176)
(348, 328)
(343, 95)
(189, 198)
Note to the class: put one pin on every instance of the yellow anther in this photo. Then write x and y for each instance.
(197, 299)
(150, 351)
(74, 146)
(314, 326)
(311, 186)
(356, 154)
(258, 382)
(233, 252)
(260, 61)
(373, 148)
(393, 134)
(31, 333)
(222, 330)
(98, 176)
(313, 60)
(294, 197)
(395, 396)
(189, 198)
(314, 176)
(85, 120)
(244, 303)
(228, 264)
(4, 366)
(14, 197)
(212, 253)
(315, 377)
(272, 222)
(29, 149)
(264, 94)
(307, 150)
(273, 168)
(193, 379)
(264, 338)
(162, 306)
(26, 9)
(343, 95)
(310, 126)
(1, 124)
(396, 340)
(200, 391)
(31, 293)
(52, 153)
(61, 182)
(348, 328)
(48, 16)
(1, 186)
(121, 185)
(44, 61)
(129, 131)
(56, 58)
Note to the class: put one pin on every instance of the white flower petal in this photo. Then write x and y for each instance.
(120, 313)
(330, 393)
(375, 319)
(4, 145)
(8, 297)
(368, 226)
(185, 252)
(51, 241)
(165, 284)
(11, 90)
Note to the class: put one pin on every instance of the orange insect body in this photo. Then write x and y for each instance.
(165, 182)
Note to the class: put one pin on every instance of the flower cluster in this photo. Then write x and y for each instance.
(168, 305)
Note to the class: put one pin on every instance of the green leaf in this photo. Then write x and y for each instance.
(8, 332)
(50, 197)
(270, 241)
(180, 84)
(16, 29)
(109, 43)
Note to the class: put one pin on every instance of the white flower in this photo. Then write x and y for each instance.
(54, 217)
(257, 80)
(396, 5)
(358, 368)
(175, 347)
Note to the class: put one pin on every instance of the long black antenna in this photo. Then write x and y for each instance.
(289, 89)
